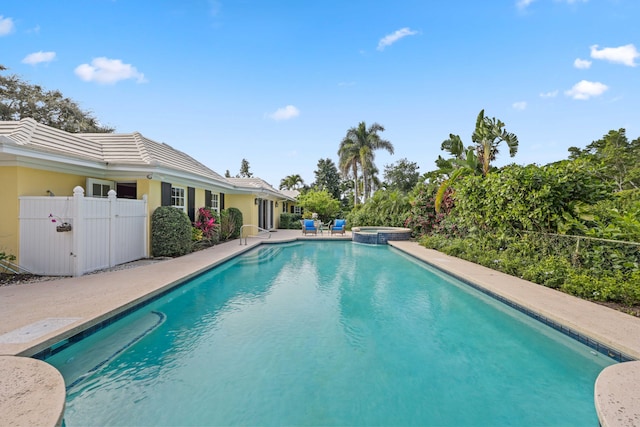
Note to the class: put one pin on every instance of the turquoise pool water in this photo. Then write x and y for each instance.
(328, 333)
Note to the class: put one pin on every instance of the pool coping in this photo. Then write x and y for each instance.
(93, 299)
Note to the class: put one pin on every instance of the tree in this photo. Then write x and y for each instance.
(227, 174)
(320, 202)
(357, 149)
(291, 182)
(349, 157)
(327, 177)
(616, 157)
(244, 169)
(403, 175)
(19, 100)
(488, 134)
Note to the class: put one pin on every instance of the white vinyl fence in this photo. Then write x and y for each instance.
(88, 233)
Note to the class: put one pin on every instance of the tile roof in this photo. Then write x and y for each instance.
(28, 132)
(260, 185)
(131, 149)
(121, 149)
(134, 148)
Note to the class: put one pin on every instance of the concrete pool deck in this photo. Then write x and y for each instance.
(34, 317)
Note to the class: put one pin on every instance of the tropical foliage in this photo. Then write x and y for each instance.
(206, 226)
(385, 207)
(230, 223)
(357, 153)
(291, 182)
(487, 136)
(556, 225)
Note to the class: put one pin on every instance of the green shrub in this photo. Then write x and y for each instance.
(290, 221)
(171, 232)
(552, 261)
(384, 208)
(613, 288)
(551, 271)
(320, 202)
(230, 223)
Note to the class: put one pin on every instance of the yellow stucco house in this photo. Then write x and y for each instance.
(38, 160)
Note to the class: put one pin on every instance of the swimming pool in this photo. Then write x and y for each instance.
(328, 333)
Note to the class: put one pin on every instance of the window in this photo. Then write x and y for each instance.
(99, 187)
(177, 198)
(215, 204)
(297, 210)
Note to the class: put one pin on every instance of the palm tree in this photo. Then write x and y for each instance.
(348, 163)
(358, 149)
(487, 136)
(291, 182)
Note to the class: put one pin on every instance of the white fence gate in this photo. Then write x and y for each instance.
(103, 233)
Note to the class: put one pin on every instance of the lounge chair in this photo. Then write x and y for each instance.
(309, 226)
(338, 226)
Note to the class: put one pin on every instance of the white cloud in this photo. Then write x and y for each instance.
(551, 94)
(520, 105)
(585, 89)
(620, 55)
(286, 113)
(523, 4)
(6, 26)
(38, 57)
(108, 71)
(575, 1)
(582, 64)
(390, 39)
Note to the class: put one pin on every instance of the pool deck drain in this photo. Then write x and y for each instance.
(91, 299)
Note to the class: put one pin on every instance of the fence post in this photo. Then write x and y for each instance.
(111, 196)
(145, 234)
(78, 231)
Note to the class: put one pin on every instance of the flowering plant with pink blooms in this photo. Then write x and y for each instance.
(206, 223)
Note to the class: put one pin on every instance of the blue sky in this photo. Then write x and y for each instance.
(279, 83)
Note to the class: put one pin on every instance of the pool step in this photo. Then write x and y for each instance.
(77, 369)
(261, 255)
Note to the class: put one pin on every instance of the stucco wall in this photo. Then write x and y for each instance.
(246, 205)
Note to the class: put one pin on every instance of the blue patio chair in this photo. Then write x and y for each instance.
(309, 226)
(338, 226)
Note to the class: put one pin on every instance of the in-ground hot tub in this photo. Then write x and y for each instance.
(379, 235)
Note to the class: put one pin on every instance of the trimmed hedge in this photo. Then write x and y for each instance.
(171, 232)
(290, 221)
